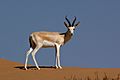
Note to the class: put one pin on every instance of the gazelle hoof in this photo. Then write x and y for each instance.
(56, 67)
(60, 67)
(25, 68)
(38, 68)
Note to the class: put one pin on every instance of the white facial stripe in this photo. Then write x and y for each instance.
(48, 43)
(72, 29)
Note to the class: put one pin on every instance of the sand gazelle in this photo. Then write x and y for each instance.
(50, 39)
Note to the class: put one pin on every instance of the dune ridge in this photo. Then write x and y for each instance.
(15, 71)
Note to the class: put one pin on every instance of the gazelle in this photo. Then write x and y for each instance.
(50, 39)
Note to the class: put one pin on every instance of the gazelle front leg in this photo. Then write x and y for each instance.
(57, 56)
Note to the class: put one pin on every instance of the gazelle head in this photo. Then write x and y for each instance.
(71, 27)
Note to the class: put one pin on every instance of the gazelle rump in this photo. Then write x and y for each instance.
(55, 40)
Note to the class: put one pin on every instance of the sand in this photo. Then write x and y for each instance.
(15, 71)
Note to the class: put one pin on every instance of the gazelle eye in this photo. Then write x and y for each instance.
(73, 29)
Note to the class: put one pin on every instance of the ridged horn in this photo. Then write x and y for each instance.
(68, 21)
(74, 21)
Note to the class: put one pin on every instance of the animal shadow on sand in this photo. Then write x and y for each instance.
(34, 67)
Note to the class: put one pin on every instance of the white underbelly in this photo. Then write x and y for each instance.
(48, 44)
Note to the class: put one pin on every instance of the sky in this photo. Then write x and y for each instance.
(95, 44)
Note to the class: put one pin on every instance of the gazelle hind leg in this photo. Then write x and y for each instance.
(27, 55)
(33, 55)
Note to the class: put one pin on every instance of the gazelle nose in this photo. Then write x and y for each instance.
(72, 31)
(72, 34)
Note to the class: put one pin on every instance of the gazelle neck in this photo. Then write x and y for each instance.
(67, 36)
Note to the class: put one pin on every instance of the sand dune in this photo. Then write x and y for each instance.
(15, 71)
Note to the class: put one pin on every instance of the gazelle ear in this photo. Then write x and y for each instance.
(77, 24)
(66, 24)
